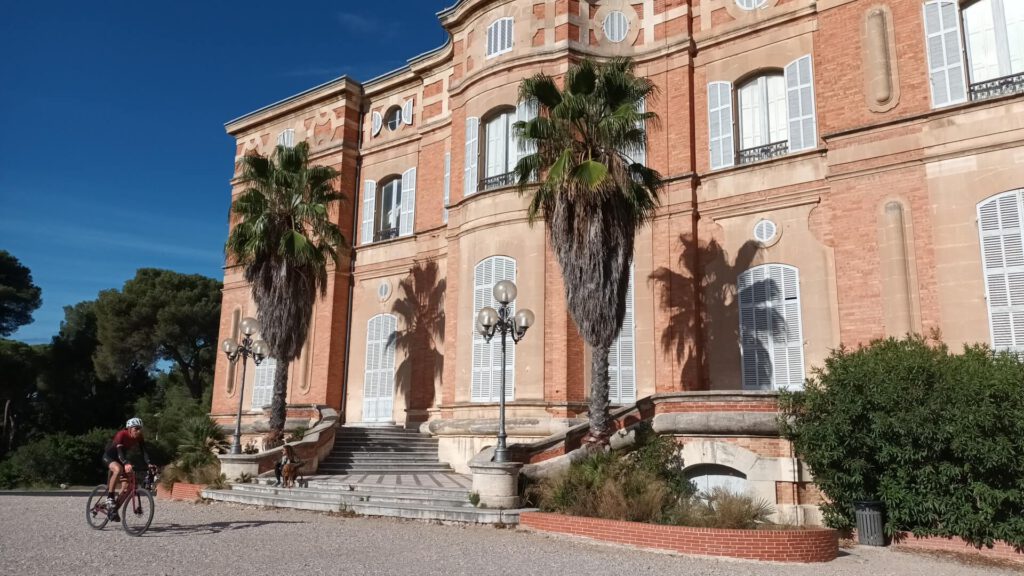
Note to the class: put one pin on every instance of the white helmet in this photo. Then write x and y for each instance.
(134, 423)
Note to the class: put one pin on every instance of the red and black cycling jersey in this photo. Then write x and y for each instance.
(118, 448)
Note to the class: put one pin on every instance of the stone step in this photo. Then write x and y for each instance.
(410, 495)
(381, 456)
(415, 468)
(418, 441)
(352, 433)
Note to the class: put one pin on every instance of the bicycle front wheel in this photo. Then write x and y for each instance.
(96, 508)
(137, 512)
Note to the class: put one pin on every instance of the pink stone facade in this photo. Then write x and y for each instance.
(820, 191)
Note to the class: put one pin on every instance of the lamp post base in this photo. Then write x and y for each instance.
(496, 483)
(236, 445)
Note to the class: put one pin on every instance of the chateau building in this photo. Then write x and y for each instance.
(837, 171)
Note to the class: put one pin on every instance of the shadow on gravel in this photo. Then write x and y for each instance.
(46, 492)
(209, 528)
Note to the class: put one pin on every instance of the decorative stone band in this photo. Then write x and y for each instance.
(538, 427)
(804, 545)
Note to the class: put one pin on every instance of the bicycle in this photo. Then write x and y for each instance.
(136, 505)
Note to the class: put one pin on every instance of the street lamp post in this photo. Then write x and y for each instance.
(258, 350)
(501, 320)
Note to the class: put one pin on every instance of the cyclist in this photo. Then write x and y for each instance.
(115, 457)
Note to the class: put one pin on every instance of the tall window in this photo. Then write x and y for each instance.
(501, 149)
(763, 117)
(389, 210)
(993, 31)
(775, 113)
(1002, 252)
(771, 331)
(263, 384)
(622, 357)
(487, 367)
(379, 378)
(499, 37)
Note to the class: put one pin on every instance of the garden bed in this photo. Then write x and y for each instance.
(1000, 550)
(805, 546)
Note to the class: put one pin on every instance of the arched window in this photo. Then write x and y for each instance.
(750, 4)
(994, 32)
(379, 378)
(487, 367)
(775, 114)
(501, 148)
(500, 37)
(763, 116)
(771, 331)
(286, 138)
(263, 384)
(707, 477)
(1002, 254)
(389, 209)
(393, 118)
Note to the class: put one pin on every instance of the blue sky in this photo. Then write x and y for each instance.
(114, 156)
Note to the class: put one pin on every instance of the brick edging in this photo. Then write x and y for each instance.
(1000, 550)
(181, 491)
(810, 545)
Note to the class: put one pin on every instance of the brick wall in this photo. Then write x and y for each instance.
(814, 545)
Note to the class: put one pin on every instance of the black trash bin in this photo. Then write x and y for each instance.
(869, 522)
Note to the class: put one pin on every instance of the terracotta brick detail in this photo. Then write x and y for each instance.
(804, 546)
(186, 491)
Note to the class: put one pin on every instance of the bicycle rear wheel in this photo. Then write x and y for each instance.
(96, 508)
(137, 512)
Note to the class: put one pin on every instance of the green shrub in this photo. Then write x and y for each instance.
(203, 440)
(645, 485)
(57, 458)
(937, 437)
(297, 434)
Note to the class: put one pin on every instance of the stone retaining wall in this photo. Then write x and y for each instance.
(811, 545)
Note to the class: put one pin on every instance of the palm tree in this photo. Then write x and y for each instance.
(592, 195)
(284, 237)
(421, 308)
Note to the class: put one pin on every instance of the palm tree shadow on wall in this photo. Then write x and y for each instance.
(420, 305)
(718, 311)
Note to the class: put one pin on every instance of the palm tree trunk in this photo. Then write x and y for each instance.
(279, 401)
(599, 421)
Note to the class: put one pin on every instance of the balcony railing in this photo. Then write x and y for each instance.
(997, 87)
(499, 181)
(385, 234)
(766, 152)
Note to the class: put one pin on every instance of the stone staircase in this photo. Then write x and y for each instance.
(389, 450)
(376, 472)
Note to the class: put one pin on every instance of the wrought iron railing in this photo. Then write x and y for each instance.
(766, 152)
(385, 234)
(1004, 86)
(499, 181)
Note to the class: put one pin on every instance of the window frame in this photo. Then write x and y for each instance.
(393, 115)
(767, 348)
(1008, 245)
(496, 33)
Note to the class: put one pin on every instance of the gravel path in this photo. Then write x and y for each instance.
(47, 535)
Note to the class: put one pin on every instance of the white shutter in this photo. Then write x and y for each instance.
(369, 207)
(803, 131)
(525, 111)
(447, 185)
(408, 213)
(378, 123)
(945, 61)
(720, 124)
(1002, 251)
(379, 379)
(771, 328)
(622, 356)
(407, 112)
(640, 155)
(486, 383)
(472, 151)
(263, 384)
